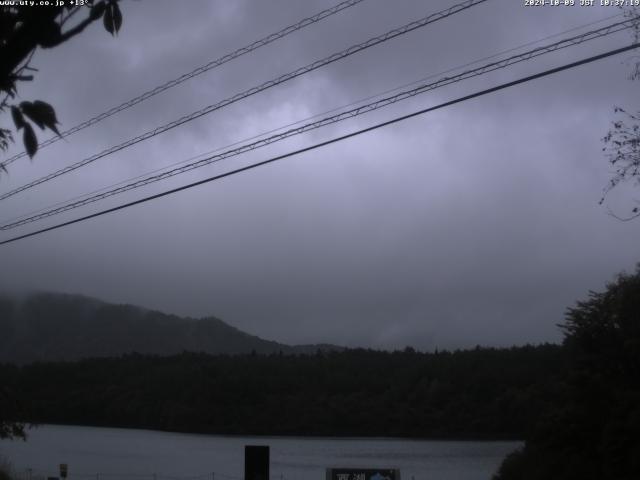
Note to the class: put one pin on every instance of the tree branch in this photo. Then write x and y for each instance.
(74, 31)
(622, 219)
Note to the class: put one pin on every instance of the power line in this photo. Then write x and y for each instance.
(409, 27)
(197, 71)
(614, 28)
(331, 141)
(381, 103)
(297, 122)
(311, 117)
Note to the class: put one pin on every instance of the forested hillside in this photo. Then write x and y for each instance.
(53, 327)
(592, 432)
(481, 393)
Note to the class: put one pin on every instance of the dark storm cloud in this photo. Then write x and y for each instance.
(474, 224)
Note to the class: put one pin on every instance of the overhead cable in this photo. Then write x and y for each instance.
(409, 27)
(378, 104)
(329, 142)
(305, 22)
(311, 117)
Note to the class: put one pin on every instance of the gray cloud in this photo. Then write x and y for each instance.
(476, 224)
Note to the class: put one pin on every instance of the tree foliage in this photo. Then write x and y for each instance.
(10, 412)
(622, 148)
(594, 432)
(478, 393)
(622, 142)
(23, 29)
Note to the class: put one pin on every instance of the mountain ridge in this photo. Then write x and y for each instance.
(49, 326)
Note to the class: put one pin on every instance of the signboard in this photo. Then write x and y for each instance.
(256, 462)
(363, 474)
(63, 470)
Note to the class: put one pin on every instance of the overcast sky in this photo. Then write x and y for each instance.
(475, 224)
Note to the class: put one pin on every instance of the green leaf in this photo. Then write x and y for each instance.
(30, 140)
(47, 114)
(18, 119)
(108, 20)
(112, 18)
(48, 34)
(117, 17)
(96, 11)
(31, 113)
(41, 113)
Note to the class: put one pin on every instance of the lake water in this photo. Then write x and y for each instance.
(124, 454)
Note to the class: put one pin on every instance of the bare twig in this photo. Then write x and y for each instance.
(623, 219)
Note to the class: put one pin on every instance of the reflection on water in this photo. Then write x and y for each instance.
(123, 454)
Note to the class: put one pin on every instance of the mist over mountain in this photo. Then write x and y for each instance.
(54, 327)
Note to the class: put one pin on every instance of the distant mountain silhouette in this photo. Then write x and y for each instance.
(56, 327)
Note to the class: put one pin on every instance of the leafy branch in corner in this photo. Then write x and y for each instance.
(23, 29)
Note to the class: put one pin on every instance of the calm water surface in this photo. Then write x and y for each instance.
(122, 454)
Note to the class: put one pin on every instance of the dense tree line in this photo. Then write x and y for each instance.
(480, 393)
(577, 404)
(593, 430)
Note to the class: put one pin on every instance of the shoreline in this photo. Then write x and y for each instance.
(468, 438)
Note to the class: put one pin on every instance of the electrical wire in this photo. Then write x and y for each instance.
(197, 71)
(331, 141)
(409, 27)
(297, 122)
(381, 103)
